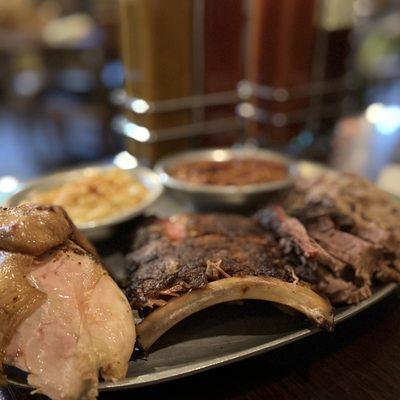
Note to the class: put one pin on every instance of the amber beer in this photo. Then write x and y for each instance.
(297, 46)
(157, 57)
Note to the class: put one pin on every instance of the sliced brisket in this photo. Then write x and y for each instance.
(363, 257)
(353, 227)
(353, 203)
(314, 263)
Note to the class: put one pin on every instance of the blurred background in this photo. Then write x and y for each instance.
(133, 80)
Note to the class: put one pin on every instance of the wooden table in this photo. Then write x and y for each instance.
(360, 360)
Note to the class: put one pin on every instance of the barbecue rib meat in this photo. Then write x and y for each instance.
(340, 232)
(187, 251)
(62, 318)
(188, 258)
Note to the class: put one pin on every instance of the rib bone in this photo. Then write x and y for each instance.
(296, 296)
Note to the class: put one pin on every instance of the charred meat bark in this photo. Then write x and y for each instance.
(327, 274)
(340, 232)
(187, 251)
(185, 255)
(354, 204)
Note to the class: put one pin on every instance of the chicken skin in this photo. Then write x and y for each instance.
(82, 326)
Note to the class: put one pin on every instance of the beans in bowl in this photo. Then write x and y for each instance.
(234, 172)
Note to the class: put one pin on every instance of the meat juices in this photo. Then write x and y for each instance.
(81, 324)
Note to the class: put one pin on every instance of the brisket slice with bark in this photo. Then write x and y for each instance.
(345, 235)
(354, 204)
(357, 207)
(191, 261)
(327, 274)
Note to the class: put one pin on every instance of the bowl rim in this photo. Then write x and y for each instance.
(155, 190)
(227, 154)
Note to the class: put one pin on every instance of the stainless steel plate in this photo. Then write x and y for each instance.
(222, 334)
(218, 336)
(222, 197)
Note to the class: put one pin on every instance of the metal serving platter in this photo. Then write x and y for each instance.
(222, 335)
(216, 336)
(222, 197)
